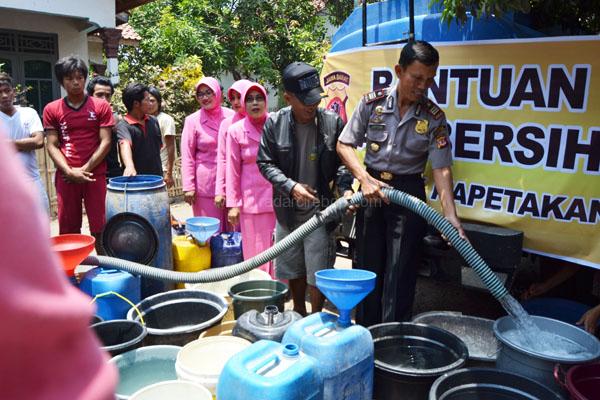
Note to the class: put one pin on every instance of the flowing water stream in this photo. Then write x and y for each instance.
(529, 336)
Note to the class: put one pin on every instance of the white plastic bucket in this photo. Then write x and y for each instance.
(202, 360)
(173, 390)
(222, 288)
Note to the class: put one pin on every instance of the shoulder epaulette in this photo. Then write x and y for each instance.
(375, 95)
(434, 110)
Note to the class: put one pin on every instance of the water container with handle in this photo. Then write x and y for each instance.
(270, 370)
(101, 280)
(269, 325)
(226, 249)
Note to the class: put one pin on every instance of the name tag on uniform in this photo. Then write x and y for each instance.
(377, 127)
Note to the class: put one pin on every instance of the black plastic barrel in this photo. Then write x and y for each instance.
(410, 357)
(179, 316)
(120, 335)
(488, 384)
(256, 295)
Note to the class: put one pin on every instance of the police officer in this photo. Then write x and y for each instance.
(402, 130)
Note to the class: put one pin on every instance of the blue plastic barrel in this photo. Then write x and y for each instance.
(100, 280)
(270, 370)
(145, 195)
(345, 355)
(565, 310)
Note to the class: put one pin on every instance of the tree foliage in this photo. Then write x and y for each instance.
(243, 37)
(575, 17)
(175, 82)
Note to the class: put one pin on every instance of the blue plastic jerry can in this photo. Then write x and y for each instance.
(345, 355)
(100, 280)
(270, 370)
(226, 249)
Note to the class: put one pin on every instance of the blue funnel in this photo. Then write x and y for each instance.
(202, 228)
(345, 288)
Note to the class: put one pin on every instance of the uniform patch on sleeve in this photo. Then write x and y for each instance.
(441, 136)
(375, 95)
(434, 110)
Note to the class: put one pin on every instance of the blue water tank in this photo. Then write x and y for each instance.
(226, 249)
(270, 370)
(100, 280)
(146, 196)
(344, 356)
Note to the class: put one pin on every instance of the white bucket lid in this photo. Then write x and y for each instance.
(203, 360)
(173, 390)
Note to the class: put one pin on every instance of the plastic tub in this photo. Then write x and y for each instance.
(537, 366)
(145, 366)
(583, 381)
(177, 317)
(487, 383)
(173, 390)
(477, 333)
(410, 357)
(120, 335)
(256, 295)
(202, 360)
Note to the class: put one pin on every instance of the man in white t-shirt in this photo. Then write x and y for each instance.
(25, 131)
(167, 130)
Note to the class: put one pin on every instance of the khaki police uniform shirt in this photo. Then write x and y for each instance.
(398, 145)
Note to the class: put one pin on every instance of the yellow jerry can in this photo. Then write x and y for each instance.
(188, 256)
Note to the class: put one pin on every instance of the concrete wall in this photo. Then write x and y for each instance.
(99, 12)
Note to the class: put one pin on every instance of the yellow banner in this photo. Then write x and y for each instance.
(525, 131)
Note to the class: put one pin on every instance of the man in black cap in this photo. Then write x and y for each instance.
(297, 155)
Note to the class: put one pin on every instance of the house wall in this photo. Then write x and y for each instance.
(99, 12)
(71, 40)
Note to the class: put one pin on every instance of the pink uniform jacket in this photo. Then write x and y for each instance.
(238, 86)
(199, 146)
(246, 187)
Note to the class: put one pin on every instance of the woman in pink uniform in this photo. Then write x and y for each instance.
(249, 195)
(199, 150)
(234, 96)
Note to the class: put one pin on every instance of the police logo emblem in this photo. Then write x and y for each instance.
(374, 147)
(441, 141)
(422, 126)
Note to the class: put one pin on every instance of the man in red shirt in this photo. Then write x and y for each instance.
(78, 129)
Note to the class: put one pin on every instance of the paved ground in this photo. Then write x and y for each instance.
(431, 295)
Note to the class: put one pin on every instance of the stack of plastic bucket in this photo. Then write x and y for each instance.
(344, 352)
(270, 370)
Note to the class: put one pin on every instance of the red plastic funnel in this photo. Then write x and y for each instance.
(72, 248)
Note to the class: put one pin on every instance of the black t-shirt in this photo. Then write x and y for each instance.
(113, 166)
(145, 141)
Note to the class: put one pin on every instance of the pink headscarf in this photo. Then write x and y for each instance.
(239, 87)
(214, 85)
(260, 88)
